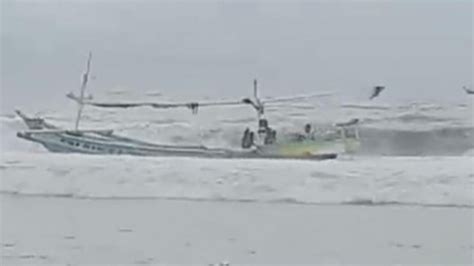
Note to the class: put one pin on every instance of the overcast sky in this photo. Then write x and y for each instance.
(419, 49)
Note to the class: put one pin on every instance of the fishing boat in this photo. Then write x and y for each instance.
(260, 144)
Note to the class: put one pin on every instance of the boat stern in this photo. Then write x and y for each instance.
(306, 148)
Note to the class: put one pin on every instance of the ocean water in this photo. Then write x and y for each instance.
(416, 154)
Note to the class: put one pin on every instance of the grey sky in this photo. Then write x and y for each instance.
(421, 50)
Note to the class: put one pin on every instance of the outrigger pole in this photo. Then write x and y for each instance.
(80, 100)
(257, 103)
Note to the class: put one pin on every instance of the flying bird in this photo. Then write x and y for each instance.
(376, 91)
(468, 91)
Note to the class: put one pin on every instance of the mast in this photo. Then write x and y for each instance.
(262, 123)
(80, 100)
(255, 88)
(258, 104)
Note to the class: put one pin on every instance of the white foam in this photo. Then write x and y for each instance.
(412, 129)
(403, 180)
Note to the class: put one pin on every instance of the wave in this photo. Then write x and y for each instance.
(410, 130)
(410, 118)
(355, 202)
(368, 181)
(154, 93)
(366, 106)
(393, 142)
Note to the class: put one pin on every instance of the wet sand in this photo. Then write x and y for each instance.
(42, 230)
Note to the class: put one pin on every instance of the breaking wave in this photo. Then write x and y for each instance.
(416, 155)
(355, 202)
(413, 181)
(414, 133)
(439, 142)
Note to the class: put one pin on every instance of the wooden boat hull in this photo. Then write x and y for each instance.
(106, 143)
(89, 143)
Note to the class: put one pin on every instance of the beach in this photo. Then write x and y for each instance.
(71, 209)
(69, 231)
